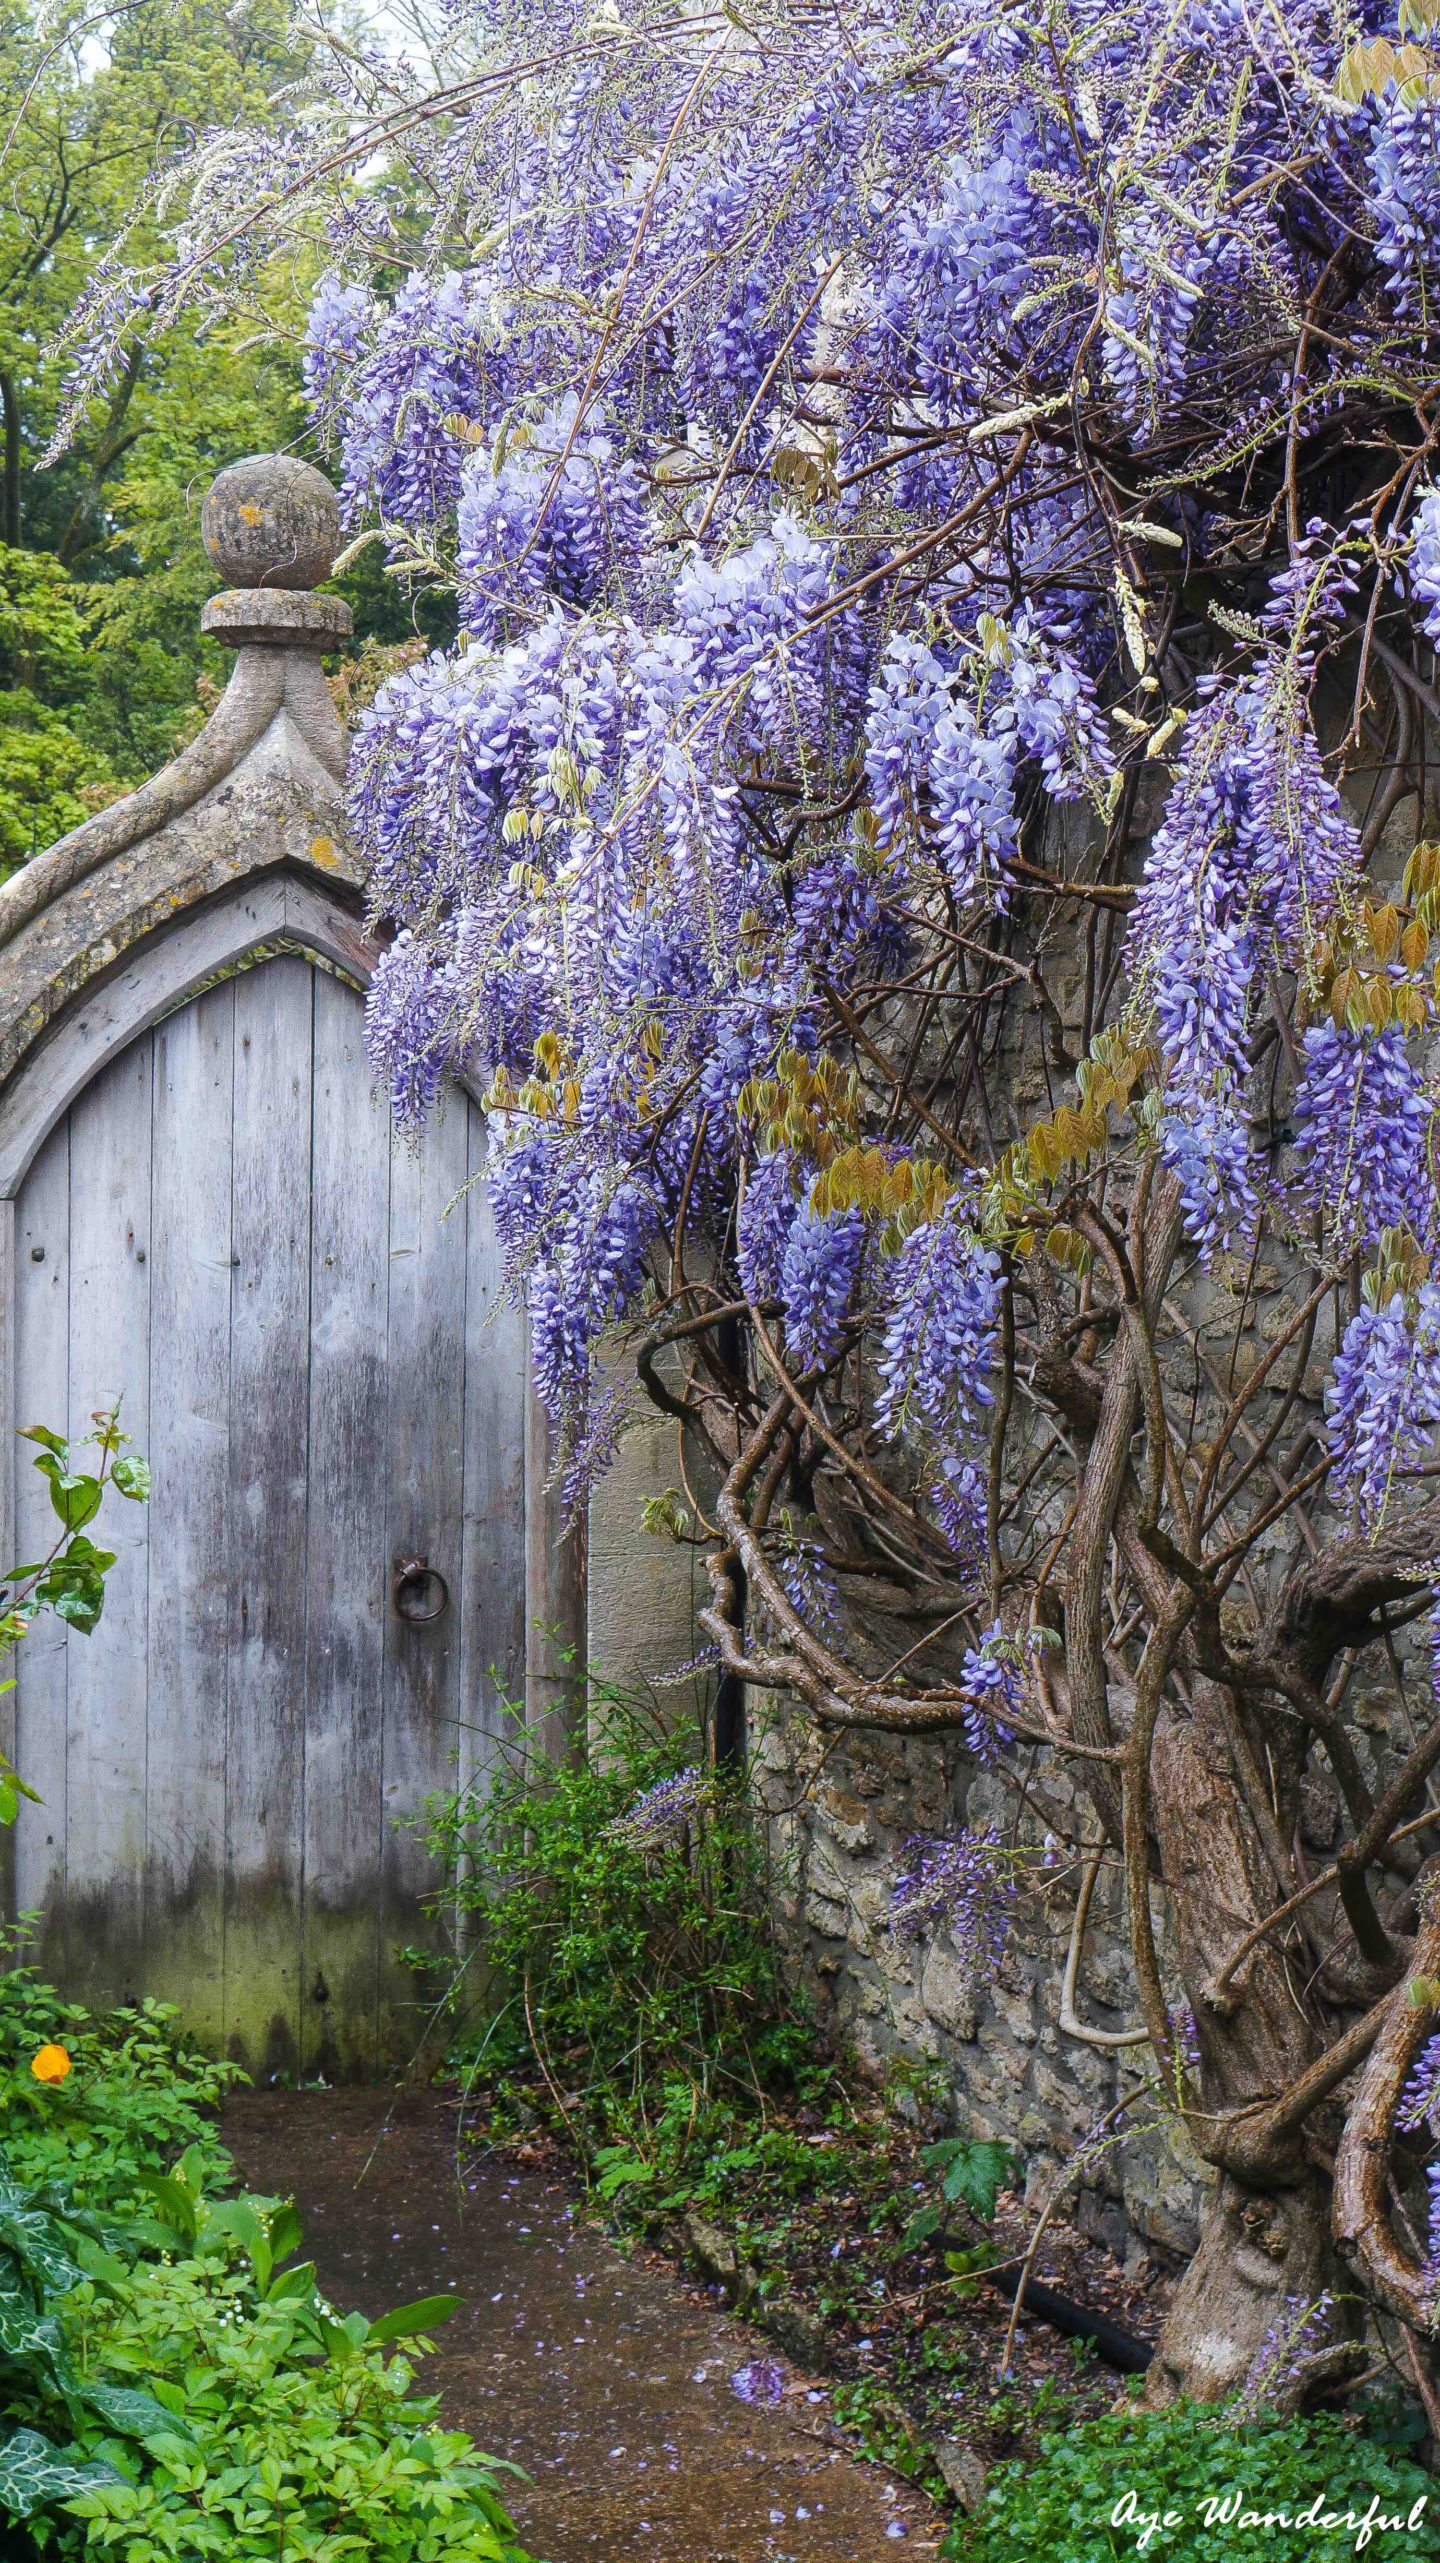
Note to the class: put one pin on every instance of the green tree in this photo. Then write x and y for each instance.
(101, 567)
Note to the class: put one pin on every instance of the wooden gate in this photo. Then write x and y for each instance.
(300, 1314)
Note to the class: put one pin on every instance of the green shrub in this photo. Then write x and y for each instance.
(281, 2430)
(136, 2094)
(641, 1979)
(1210, 2481)
(173, 2384)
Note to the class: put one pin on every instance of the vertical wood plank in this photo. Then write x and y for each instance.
(426, 1366)
(492, 1666)
(9, 1553)
(42, 1396)
(190, 1278)
(105, 1778)
(310, 1351)
(347, 1581)
(555, 1612)
(269, 1346)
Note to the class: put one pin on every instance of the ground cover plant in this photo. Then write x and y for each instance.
(1187, 2484)
(172, 2383)
(622, 2007)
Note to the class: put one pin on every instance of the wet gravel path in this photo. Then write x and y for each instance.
(606, 2379)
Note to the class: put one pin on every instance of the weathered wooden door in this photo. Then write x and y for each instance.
(224, 1232)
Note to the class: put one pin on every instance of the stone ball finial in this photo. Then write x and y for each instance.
(271, 521)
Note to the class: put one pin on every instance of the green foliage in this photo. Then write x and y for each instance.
(274, 2424)
(70, 1578)
(101, 566)
(136, 2090)
(886, 2432)
(969, 2171)
(104, 673)
(642, 1983)
(1178, 2465)
(174, 2384)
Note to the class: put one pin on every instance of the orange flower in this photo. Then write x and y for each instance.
(50, 2065)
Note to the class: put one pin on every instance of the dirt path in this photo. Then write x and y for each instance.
(604, 2378)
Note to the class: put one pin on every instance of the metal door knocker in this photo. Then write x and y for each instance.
(420, 1590)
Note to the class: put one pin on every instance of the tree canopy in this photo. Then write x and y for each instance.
(101, 568)
(928, 827)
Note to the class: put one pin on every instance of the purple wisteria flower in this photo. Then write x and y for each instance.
(665, 1812)
(1185, 2031)
(936, 1356)
(1252, 852)
(810, 1585)
(1420, 2099)
(991, 1691)
(759, 2380)
(1293, 2339)
(767, 1214)
(963, 1886)
(1384, 1401)
(733, 732)
(1430, 2265)
(818, 1273)
(1425, 561)
(1362, 1124)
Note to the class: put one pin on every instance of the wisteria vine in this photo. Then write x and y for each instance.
(927, 834)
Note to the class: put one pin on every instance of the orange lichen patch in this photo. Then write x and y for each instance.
(322, 850)
(51, 2064)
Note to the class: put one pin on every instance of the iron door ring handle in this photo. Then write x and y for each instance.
(421, 1594)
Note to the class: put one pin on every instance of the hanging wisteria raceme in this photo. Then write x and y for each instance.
(935, 1360)
(963, 1888)
(1293, 2339)
(1430, 2266)
(1420, 2099)
(665, 1813)
(1363, 1123)
(1384, 1402)
(992, 1691)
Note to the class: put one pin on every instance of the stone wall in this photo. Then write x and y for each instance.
(839, 1814)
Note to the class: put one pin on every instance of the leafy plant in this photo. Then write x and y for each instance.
(136, 2089)
(173, 2381)
(970, 2171)
(274, 2423)
(1182, 2484)
(621, 1951)
(70, 1578)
